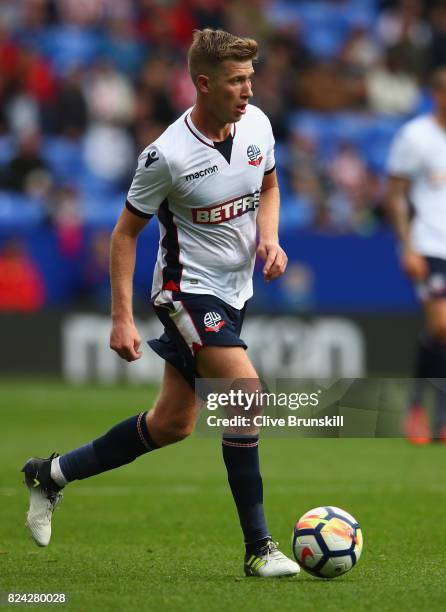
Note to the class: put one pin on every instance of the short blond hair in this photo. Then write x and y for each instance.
(210, 48)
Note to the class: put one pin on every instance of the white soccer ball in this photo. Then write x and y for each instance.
(327, 542)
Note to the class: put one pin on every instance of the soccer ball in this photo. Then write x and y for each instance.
(327, 542)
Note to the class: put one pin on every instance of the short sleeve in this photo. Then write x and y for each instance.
(270, 162)
(151, 183)
(404, 157)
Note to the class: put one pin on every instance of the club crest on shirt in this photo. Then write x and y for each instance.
(254, 155)
(213, 322)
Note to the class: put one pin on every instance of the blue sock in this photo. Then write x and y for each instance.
(241, 457)
(437, 372)
(122, 444)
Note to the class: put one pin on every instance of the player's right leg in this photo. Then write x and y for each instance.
(171, 420)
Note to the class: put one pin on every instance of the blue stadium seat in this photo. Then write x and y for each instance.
(19, 212)
(68, 47)
(64, 157)
(425, 104)
(100, 211)
(92, 186)
(376, 140)
(8, 148)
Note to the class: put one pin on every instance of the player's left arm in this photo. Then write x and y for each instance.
(269, 248)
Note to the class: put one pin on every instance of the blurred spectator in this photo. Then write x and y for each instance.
(21, 284)
(351, 199)
(36, 77)
(325, 88)
(307, 181)
(87, 13)
(275, 77)
(347, 169)
(438, 46)
(32, 19)
(390, 89)
(404, 29)
(147, 133)
(181, 91)
(66, 217)
(109, 94)
(360, 51)
(71, 112)
(109, 155)
(9, 58)
(167, 26)
(27, 172)
(122, 47)
(153, 95)
(208, 13)
(404, 21)
(300, 206)
(10, 13)
(22, 114)
(247, 19)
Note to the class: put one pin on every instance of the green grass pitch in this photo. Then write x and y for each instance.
(162, 533)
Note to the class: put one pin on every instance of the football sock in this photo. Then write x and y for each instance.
(439, 415)
(438, 373)
(241, 457)
(122, 444)
(423, 359)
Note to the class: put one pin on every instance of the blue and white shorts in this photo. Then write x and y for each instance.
(433, 287)
(192, 321)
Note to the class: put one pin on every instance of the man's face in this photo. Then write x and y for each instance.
(230, 90)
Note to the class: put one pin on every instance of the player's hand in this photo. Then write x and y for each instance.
(125, 340)
(414, 265)
(275, 259)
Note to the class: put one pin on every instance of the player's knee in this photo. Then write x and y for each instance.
(168, 431)
(175, 431)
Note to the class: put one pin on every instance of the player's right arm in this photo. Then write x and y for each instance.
(397, 206)
(124, 337)
(150, 185)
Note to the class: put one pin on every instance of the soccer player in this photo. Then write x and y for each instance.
(417, 175)
(210, 179)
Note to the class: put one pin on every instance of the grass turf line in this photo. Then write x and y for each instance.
(162, 533)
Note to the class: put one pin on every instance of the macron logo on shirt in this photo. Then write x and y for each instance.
(200, 173)
(227, 210)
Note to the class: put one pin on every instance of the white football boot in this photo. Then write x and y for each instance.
(44, 496)
(269, 562)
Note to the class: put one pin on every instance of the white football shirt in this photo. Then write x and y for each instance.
(206, 206)
(418, 152)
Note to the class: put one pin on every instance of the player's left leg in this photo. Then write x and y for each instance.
(171, 420)
(431, 357)
(241, 457)
(416, 421)
(435, 311)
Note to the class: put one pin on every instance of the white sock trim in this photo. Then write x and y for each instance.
(57, 474)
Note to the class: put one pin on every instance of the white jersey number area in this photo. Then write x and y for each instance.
(418, 153)
(206, 203)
